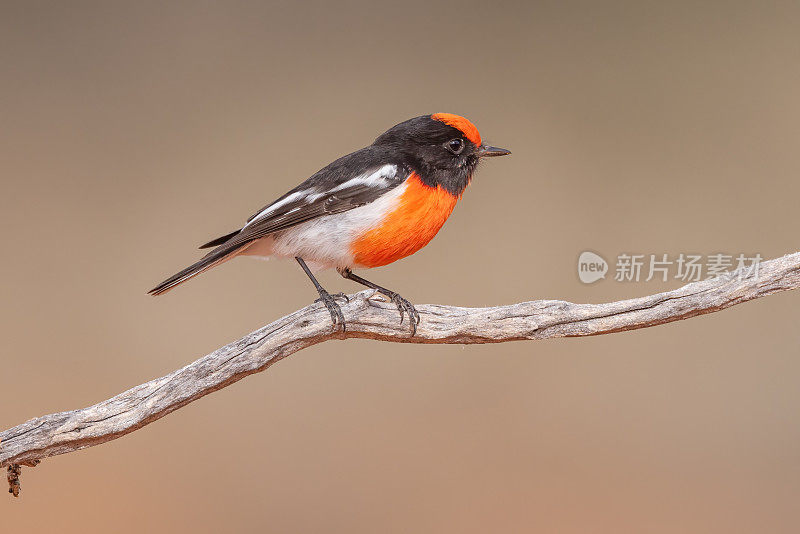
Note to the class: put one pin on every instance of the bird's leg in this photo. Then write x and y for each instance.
(326, 298)
(403, 306)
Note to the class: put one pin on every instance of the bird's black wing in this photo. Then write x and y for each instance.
(347, 183)
(315, 198)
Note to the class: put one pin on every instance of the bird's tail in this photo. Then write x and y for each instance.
(217, 256)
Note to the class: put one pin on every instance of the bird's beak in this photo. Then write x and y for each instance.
(486, 151)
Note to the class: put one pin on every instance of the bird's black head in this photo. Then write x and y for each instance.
(444, 149)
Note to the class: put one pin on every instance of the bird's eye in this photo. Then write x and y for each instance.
(455, 145)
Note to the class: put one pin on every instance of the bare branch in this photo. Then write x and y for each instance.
(64, 432)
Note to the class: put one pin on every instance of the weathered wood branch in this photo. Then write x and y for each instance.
(64, 432)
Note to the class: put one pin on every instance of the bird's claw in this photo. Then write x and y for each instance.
(337, 317)
(404, 306)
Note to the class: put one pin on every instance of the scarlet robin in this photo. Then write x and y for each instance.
(367, 209)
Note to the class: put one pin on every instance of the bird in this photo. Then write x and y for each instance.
(367, 209)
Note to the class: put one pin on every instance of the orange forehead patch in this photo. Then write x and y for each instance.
(460, 123)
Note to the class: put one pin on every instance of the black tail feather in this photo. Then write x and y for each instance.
(220, 240)
(215, 257)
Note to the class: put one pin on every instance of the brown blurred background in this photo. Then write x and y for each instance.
(132, 133)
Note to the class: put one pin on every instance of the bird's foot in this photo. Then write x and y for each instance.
(337, 317)
(405, 307)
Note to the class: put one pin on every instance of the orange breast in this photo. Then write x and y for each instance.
(420, 213)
